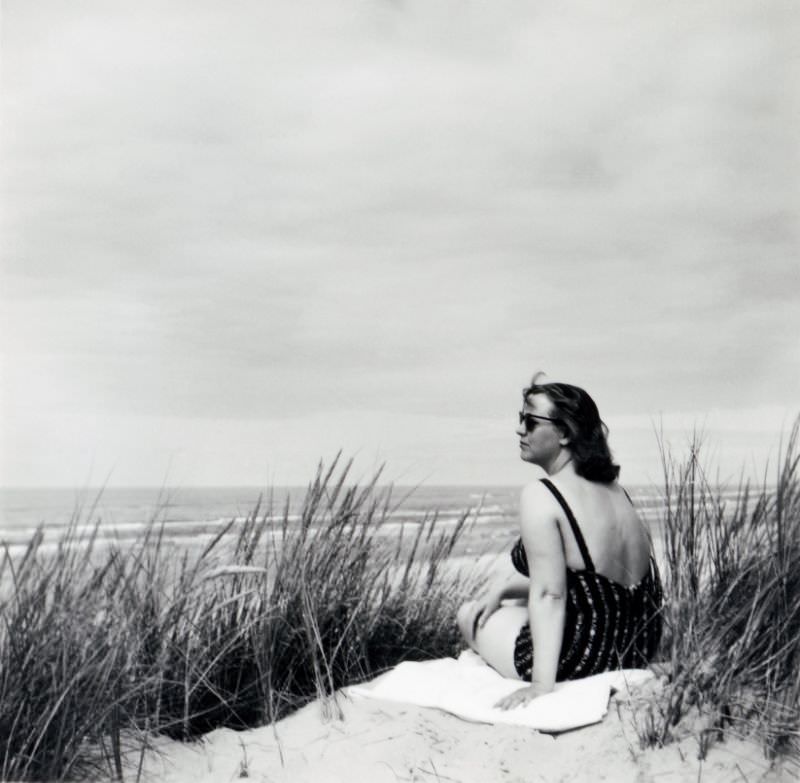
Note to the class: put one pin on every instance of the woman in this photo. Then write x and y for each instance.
(583, 564)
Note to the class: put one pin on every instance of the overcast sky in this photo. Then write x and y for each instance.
(239, 236)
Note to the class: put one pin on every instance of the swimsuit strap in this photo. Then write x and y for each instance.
(573, 523)
(630, 500)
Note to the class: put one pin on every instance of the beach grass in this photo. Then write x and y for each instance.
(732, 611)
(103, 645)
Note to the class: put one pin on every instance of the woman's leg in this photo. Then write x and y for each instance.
(494, 642)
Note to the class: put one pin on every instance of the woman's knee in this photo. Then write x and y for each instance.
(496, 639)
(464, 617)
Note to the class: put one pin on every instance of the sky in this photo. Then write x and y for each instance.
(238, 237)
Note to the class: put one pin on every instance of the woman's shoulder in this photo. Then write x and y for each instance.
(575, 486)
(594, 503)
(536, 491)
(537, 501)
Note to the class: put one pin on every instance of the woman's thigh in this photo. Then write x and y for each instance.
(495, 641)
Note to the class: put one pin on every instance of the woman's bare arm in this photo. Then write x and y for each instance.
(541, 538)
(508, 584)
(511, 584)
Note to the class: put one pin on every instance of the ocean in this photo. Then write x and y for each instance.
(198, 513)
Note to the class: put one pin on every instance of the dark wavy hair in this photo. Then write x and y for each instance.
(577, 415)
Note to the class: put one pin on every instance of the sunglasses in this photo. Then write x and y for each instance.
(530, 420)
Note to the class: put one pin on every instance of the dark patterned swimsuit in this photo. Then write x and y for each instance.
(607, 626)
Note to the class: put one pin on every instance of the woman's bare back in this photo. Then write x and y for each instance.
(615, 536)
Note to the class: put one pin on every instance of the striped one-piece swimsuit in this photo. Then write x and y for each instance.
(607, 625)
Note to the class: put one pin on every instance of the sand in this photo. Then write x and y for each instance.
(383, 742)
(370, 741)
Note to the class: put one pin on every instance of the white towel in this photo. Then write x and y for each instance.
(468, 687)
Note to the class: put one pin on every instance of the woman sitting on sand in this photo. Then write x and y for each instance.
(584, 559)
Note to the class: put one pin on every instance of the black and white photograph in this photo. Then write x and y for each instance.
(399, 390)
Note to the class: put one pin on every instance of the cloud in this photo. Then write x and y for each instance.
(286, 209)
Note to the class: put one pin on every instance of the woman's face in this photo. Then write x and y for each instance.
(540, 445)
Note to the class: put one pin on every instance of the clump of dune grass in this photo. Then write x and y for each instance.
(732, 615)
(103, 644)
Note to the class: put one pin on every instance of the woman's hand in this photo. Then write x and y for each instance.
(521, 697)
(484, 608)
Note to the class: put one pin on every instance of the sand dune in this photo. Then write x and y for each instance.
(358, 740)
